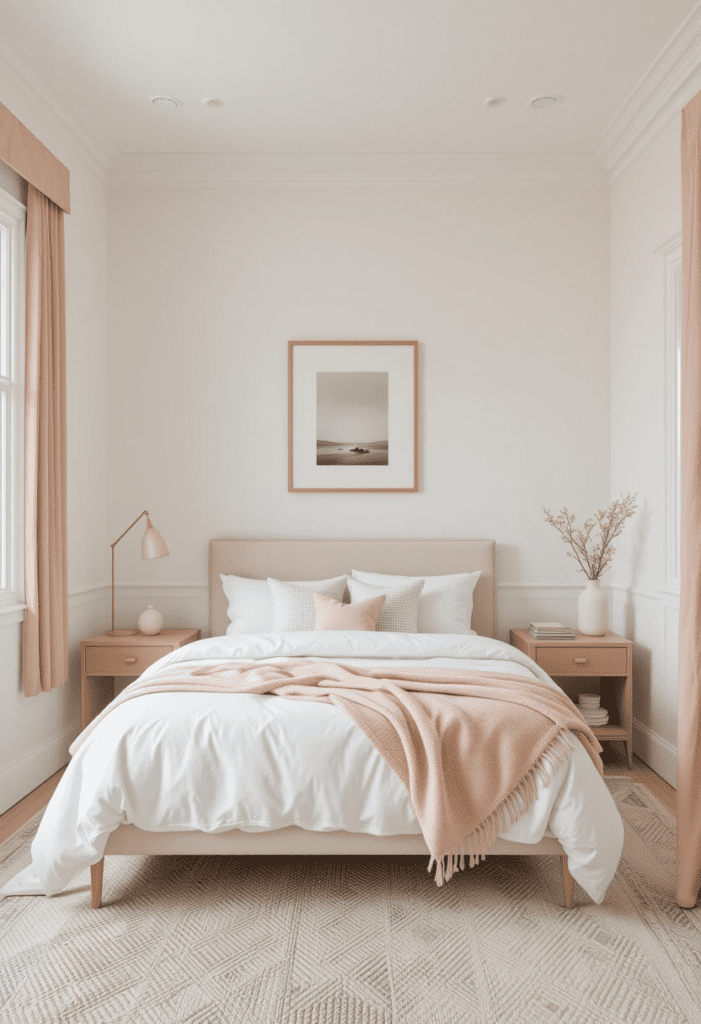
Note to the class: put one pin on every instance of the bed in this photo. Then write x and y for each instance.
(596, 845)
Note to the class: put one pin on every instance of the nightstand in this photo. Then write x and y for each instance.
(103, 657)
(608, 658)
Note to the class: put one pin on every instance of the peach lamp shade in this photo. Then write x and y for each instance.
(152, 546)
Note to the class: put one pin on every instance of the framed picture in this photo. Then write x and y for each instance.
(353, 416)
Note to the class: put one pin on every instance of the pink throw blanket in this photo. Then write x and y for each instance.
(469, 747)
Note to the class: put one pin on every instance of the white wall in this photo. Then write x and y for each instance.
(36, 731)
(507, 291)
(645, 214)
(184, 398)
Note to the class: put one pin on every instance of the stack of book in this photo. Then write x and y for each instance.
(550, 631)
(592, 712)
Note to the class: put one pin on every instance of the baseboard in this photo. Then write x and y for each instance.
(656, 752)
(20, 778)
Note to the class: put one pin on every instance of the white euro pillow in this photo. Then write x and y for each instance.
(399, 612)
(250, 602)
(445, 605)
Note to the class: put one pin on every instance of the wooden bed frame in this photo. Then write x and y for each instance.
(323, 559)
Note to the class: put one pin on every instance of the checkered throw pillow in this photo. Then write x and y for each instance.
(401, 608)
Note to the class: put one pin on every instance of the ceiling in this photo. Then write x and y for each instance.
(341, 76)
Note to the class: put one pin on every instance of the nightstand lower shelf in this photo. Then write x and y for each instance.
(610, 732)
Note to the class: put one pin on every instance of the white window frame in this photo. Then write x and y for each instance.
(671, 253)
(12, 287)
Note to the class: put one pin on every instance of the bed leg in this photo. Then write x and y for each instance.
(568, 882)
(96, 872)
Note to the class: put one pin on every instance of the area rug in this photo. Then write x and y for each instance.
(314, 940)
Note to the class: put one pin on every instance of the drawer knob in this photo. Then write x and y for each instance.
(580, 661)
(129, 661)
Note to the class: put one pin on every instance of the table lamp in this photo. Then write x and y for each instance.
(152, 546)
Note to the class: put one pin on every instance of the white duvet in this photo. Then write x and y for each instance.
(214, 762)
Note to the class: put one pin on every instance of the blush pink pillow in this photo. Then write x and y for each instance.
(332, 614)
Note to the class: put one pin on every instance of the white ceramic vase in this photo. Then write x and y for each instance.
(150, 621)
(592, 610)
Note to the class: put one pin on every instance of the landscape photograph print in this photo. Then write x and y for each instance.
(352, 418)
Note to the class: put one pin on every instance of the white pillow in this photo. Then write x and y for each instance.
(251, 608)
(445, 605)
(400, 610)
(295, 610)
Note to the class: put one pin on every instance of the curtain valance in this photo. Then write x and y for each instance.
(24, 153)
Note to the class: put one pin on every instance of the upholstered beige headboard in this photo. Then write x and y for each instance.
(322, 559)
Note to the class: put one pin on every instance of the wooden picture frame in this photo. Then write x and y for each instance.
(353, 422)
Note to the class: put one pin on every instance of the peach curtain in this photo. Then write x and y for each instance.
(689, 732)
(45, 663)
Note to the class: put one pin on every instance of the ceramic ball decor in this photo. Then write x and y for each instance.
(150, 621)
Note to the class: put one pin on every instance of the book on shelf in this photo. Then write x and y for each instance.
(550, 631)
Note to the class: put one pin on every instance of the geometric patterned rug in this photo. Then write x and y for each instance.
(343, 940)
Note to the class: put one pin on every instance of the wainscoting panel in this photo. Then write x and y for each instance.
(180, 604)
(37, 731)
(651, 621)
(187, 604)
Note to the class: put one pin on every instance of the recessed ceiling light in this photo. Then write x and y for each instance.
(544, 102)
(165, 103)
(494, 101)
(212, 101)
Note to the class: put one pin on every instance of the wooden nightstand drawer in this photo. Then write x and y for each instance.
(121, 661)
(583, 661)
(103, 657)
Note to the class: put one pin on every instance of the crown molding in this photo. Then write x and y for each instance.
(670, 82)
(98, 156)
(356, 170)
(667, 85)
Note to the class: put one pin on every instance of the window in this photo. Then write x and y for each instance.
(12, 230)
(671, 252)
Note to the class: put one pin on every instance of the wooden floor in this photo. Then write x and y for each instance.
(614, 764)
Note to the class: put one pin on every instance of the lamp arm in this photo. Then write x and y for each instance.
(144, 513)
